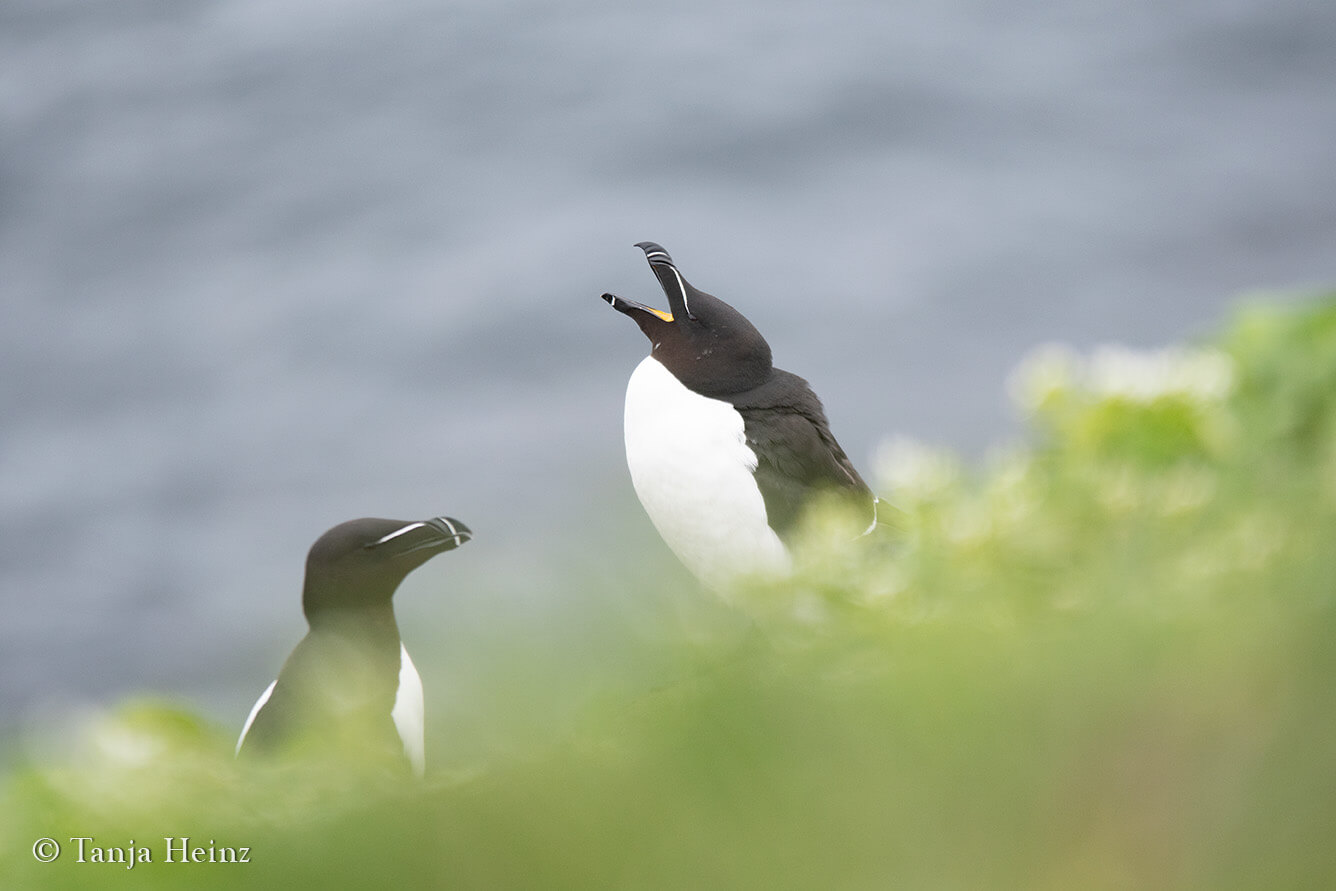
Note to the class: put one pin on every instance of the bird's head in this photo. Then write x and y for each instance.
(361, 562)
(708, 345)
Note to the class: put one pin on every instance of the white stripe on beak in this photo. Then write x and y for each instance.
(396, 533)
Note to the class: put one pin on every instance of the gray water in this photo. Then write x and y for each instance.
(267, 266)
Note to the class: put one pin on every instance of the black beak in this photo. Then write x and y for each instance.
(437, 534)
(453, 532)
(636, 310)
(674, 286)
(672, 282)
(655, 253)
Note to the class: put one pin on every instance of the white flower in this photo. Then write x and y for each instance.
(1114, 371)
(1200, 375)
(1046, 371)
(913, 470)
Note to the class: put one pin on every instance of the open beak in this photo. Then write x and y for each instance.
(674, 286)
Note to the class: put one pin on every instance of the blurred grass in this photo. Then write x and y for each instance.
(1105, 659)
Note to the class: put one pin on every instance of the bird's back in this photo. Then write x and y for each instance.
(798, 458)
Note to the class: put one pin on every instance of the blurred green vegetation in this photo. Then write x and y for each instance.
(1104, 659)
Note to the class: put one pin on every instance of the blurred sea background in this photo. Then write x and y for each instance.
(268, 266)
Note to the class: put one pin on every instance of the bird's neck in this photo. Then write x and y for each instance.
(372, 622)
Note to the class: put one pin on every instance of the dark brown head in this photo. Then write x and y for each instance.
(361, 562)
(708, 345)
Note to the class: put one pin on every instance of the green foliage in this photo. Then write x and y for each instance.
(1103, 660)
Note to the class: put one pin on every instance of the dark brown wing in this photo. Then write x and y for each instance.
(798, 457)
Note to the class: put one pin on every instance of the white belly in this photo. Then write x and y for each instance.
(692, 470)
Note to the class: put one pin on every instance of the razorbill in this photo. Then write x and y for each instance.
(350, 684)
(725, 450)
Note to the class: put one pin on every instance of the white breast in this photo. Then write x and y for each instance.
(693, 472)
(409, 714)
(255, 710)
